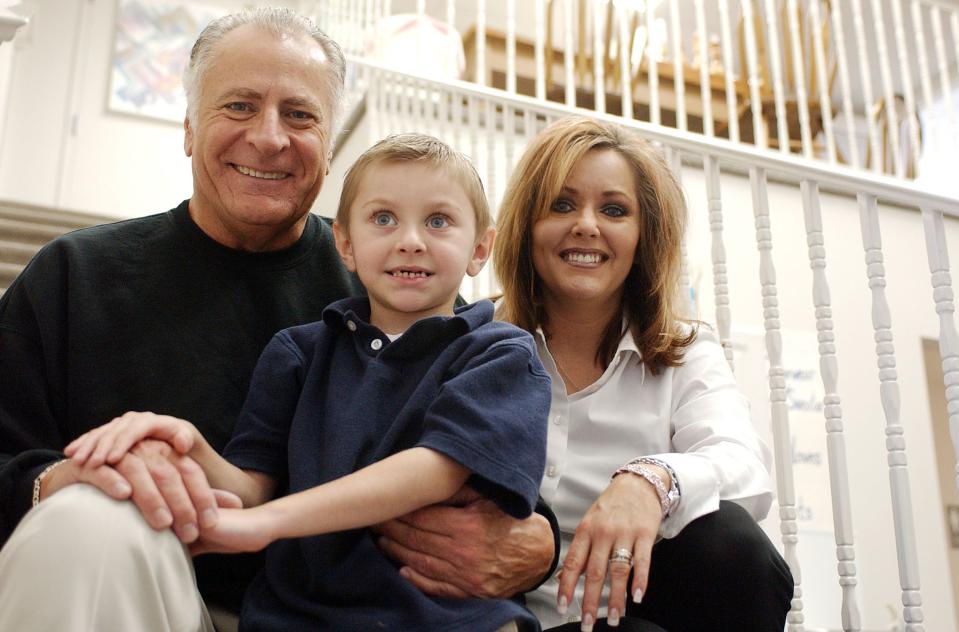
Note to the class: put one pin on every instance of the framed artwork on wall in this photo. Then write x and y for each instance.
(151, 49)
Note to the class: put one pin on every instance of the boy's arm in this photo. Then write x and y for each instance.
(383, 490)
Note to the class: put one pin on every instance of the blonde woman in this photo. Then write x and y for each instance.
(648, 438)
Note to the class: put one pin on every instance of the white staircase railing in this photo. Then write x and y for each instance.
(492, 126)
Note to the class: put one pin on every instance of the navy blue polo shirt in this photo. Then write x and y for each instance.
(331, 397)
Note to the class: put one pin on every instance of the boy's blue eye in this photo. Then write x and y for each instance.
(438, 221)
(384, 219)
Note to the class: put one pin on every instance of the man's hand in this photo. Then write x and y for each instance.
(473, 550)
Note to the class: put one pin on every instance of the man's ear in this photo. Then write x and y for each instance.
(344, 246)
(481, 251)
(187, 136)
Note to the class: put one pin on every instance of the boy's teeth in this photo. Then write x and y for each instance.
(580, 257)
(408, 274)
(267, 175)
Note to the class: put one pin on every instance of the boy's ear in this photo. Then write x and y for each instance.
(344, 246)
(481, 251)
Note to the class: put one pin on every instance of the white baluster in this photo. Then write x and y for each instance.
(892, 118)
(653, 67)
(799, 75)
(775, 61)
(718, 253)
(509, 132)
(954, 29)
(599, 57)
(782, 439)
(822, 76)
(374, 106)
(942, 294)
(705, 87)
(889, 394)
(387, 8)
(848, 114)
(540, 50)
(729, 71)
(451, 13)
(679, 84)
(759, 130)
(943, 63)
(481, 42)
(675, 159)
(925, 79)
(905, 69)
(866, 75)
(511, 46)
(832, 408)
(625, 69)
(568, 47)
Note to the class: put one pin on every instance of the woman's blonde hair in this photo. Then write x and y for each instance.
(650, 297)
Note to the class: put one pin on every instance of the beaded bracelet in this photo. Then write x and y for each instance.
(40, 477)
(653, 478)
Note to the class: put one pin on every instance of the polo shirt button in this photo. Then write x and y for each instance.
(557, 419)
(551, 471)
(376, 344)
(351, 325)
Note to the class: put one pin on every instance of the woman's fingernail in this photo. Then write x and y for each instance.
(562, 605)
(587, 625)
(163, 517)
(121, 489)
(638, 595)
(612, 617)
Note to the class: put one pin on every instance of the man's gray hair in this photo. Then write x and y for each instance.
(278, 21)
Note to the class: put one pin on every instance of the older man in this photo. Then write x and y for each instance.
(169, 313)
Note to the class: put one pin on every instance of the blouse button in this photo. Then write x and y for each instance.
(551, 471)
(376, 344)
(351, 325)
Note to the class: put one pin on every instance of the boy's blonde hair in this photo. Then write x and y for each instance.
(417, 148)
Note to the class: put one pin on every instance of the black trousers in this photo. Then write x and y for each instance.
(721, 573)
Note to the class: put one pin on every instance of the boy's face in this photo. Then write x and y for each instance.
(412, 236)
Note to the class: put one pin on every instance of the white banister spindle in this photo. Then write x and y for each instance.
(625, 71)
(509, 134)
(832, 408)
(718, 255)
(653, 66)
(675, 159)
(568, 47)
(852, 151)
(943, 62)
(511, 46)
(387, 7)
(822, 77)
(539, 47)
(799, 76)
(782, 129)
(892, 117)
(481, 42)
(679, 83)
(705, 87)
(490, 133)
(599, 57)
(752, 63)
(782, 439)
(908, 89)
(451, 13)
(889, 395)
(925, 80)
(374, 101)
(954, 29)
(729, 71)
(865, 74)
(942, 294)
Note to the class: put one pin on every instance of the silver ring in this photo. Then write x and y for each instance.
(621, 555)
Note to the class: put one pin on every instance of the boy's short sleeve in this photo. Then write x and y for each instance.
(491, 418)
(260, 439)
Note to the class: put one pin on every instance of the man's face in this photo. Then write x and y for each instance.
(261, 140)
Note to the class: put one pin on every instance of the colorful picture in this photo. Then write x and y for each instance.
(152, 48)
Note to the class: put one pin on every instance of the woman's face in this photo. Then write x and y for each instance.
(584, 247)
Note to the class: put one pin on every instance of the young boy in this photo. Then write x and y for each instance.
(389, 404)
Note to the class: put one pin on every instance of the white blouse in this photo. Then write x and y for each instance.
(693, 417)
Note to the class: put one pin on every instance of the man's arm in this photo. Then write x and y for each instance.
(472, 549)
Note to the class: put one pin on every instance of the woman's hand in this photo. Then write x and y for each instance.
(110, 442)
(625, 516)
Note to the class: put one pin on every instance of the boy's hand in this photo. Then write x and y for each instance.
(237, 530)
(111, 441)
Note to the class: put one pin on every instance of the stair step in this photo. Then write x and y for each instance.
(67, 220)
(14, 230)
(8, 272)
(16, 252)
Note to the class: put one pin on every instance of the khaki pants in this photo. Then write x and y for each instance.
(81, 561)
